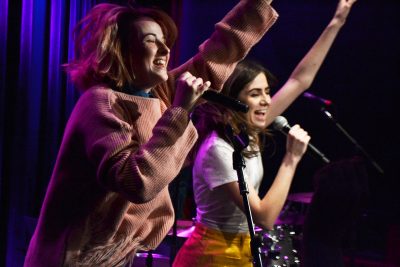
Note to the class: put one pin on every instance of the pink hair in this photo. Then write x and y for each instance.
(102, 50)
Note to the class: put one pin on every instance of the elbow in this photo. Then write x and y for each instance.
(136, 191)
(134, 194)
(137, 198)
(302, 83)
(305, 83)
(137, 187)
(269, 226)
(265, 223)
(140, 194)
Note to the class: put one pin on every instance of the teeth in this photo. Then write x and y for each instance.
(159, 62)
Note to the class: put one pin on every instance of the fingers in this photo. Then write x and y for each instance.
(299, 133)
(205, 87)
(349, 2)
(297, 141)
(197, 84)
(189, 89)
(343, 10)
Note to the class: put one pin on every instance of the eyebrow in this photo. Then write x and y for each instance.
(268, 89)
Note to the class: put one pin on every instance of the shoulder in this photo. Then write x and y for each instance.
(99, 101)
(215, 147)
(105, 98)
(95, 96)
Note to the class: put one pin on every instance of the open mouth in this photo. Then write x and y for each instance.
(161, 63)
(260, 115)
(260, 112)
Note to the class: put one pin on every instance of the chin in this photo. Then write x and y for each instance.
(161, 77)
(260, 126)
(165, 78)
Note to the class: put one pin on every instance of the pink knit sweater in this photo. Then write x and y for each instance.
(108, 194)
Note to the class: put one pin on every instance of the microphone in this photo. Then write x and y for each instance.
(281, 124)
(321, 100)
(226, 101)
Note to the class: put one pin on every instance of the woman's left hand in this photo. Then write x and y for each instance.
(343, 10)
(297, 141)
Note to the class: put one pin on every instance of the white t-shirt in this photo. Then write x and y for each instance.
(213, 167)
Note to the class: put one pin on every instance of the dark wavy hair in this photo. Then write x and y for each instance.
(210, 117)
(102, 41)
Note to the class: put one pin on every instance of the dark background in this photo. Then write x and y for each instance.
(360, 75)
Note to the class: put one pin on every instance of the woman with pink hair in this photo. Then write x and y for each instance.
(130, 132)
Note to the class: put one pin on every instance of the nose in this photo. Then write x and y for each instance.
(266, 100)
(163, 48)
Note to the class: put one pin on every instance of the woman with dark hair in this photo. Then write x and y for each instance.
(221, 234)
(130, 132)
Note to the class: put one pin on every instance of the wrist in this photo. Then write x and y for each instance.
(181, 110)
(291, 159)
(337, 21)
(181, 106)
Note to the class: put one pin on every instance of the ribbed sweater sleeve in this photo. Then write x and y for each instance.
(231, 41)
(137, 154)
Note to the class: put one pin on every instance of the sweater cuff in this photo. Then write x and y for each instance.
(179, 113)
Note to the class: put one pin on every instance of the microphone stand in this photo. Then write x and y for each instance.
(240, 142)
(352, 140)
(174, 241)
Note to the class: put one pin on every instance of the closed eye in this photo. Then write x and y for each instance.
(255, 92)
(258, 91)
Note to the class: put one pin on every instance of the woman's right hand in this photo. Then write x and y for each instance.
(188, 90)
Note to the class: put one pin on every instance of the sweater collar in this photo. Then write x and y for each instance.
(132, 90)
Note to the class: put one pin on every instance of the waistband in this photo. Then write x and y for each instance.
(237, 238)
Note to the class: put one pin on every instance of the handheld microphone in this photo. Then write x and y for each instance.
(226, 101)
(281, 124)
(325, 102)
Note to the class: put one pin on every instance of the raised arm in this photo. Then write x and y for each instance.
(232, 39)
(305, 72)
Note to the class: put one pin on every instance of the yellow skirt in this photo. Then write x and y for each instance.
(208, 247)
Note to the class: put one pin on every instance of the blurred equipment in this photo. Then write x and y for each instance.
(184, 229)
(282, 245)
(146, 259)
(305, 197)
(278, 246)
